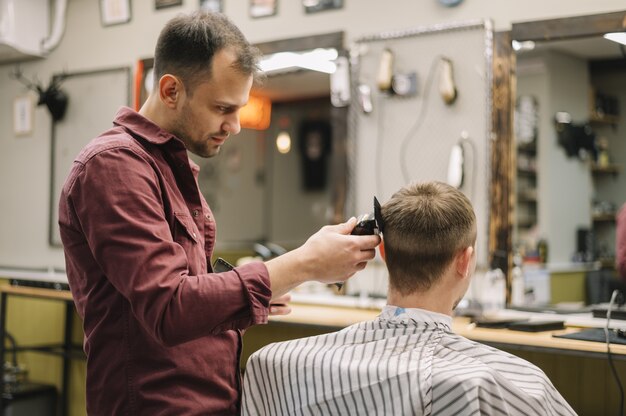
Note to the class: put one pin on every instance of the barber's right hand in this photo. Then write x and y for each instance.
(334, 255)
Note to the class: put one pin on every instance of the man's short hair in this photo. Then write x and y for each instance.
(188, 43)
(426, 225)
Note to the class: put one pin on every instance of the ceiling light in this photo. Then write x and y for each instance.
(321, 60)
(526, 45)
(619, 37)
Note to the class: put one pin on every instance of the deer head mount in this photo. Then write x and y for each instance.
(52, 96)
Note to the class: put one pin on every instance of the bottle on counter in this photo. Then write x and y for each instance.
(542, 249)
(494, 292)
(518, 287)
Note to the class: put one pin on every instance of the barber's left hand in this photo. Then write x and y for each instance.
(280, 305)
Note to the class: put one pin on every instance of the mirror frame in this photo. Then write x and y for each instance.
(504, 88)
(501, 187)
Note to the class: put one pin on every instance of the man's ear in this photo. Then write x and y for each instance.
(464, 261)
(170, 90)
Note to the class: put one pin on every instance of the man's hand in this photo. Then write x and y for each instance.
(280, 305)
(330, 255)
(335, 255)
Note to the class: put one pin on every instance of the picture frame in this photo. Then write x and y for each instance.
(263, 8)
(23, 115)
(314, 6)
(211, 6)
(163, 4)
(114, 12)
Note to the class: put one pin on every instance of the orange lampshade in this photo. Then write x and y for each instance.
(256, 114)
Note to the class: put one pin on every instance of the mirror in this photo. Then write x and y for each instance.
(282, 183)
(569, 139)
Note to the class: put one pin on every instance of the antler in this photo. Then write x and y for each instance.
(18, 75)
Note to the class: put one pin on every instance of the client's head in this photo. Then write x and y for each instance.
(429, 236)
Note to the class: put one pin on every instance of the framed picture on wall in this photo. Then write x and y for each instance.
(162, 4)
(314, 6)
(212, 6)
(263, 8)
(114, 12)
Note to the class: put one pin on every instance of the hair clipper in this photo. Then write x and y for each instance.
(366, 225)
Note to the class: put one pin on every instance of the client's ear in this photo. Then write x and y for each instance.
(464, 262)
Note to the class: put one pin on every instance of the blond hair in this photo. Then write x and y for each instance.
(425, 226)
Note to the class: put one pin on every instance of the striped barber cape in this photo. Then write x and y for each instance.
(404, 362)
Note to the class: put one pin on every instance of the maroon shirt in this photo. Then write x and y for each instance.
(162, 333)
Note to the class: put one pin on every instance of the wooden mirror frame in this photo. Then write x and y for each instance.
(503, 155)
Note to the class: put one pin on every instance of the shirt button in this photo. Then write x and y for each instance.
(195, 213)
(207, 216)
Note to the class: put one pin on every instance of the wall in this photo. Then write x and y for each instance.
(24, 162)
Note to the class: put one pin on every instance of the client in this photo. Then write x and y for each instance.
(407, 361)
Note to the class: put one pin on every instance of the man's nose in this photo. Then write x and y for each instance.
(232, 124)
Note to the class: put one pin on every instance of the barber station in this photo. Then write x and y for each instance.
(330, 207)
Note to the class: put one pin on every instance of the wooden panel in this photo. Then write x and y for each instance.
(593, 394)
(585, 383)
(258, 336)
(568, 374)
(339, 168)
(502, 157)
(36, 292)
(570, 27)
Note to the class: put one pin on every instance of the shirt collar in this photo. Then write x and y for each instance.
(143, 127)
(396, 314)
(149, 131)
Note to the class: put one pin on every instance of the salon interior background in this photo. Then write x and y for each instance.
(87, 46)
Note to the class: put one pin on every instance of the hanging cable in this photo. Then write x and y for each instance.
(13, 348)
(610, 355)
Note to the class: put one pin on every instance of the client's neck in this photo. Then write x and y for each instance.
(439, 298)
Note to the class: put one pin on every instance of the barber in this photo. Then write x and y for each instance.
(162, 330)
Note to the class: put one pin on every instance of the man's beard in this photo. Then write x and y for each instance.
(197, 148)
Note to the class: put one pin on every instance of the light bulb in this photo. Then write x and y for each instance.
(283, 142)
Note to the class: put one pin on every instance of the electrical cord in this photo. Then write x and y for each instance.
(610, 355)
(13, 342)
